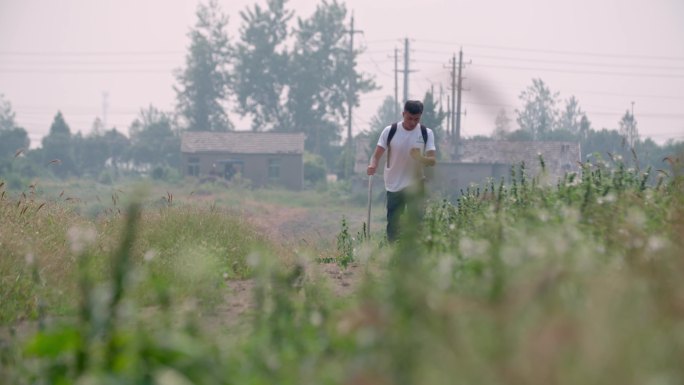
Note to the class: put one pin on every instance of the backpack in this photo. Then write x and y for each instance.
(393, 130)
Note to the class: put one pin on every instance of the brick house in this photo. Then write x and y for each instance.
(265, 158)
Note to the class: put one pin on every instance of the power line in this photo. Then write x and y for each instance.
(574, 53)
(565, 62)
(627, 74)
(84, 70)
(88, 53)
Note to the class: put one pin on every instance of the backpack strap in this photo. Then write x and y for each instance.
(393, 130)
(423, 131)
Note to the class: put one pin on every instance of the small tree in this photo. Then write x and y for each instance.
(384, 116)
(153, 141)
(628, 129)
(502, 125)
(539, 113)
(58, 148)
(12, 137)
(571, 117)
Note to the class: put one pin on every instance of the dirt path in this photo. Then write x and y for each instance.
(313, 228)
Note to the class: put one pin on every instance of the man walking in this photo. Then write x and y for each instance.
(410, 146)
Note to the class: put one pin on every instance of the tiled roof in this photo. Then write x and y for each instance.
(242, 142)
(559, 157)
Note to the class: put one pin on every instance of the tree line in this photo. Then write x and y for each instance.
(543, 116)
(286, 74)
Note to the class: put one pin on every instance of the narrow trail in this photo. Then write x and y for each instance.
(312, 228)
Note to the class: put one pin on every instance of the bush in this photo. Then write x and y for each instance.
(314, 168)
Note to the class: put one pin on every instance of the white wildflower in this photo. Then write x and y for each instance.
(656, 244)
(80, 238)
(637, 218)
(316, 318)
(149, 255)
(253, 260)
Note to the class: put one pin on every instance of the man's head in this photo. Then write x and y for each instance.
(413, 109)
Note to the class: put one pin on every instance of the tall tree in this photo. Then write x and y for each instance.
(539, 113)
(203, 84)
(322, 69)
(262, 65)
(628, 129)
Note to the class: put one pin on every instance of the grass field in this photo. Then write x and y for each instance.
(516, 283)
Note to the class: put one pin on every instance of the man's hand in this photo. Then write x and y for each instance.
(371, 169)
(415, 154)
(424, 160)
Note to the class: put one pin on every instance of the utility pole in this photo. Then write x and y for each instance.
(448, 121)
(457, 127)
(453, 98)
(406, 69)
(350, 99)
(396, 83)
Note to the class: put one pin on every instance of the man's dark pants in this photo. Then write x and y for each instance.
(396, 206)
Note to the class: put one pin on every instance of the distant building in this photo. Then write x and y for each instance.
(480, 160)
(265, 158)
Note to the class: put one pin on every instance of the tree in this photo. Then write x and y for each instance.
(628, 129)
(433, 113)
(12, 137)
(571, 118)
(502, 125)
(204, 82)
(262, 65)
(324, 77)
(585, 127)
(58, 149)
(433, 116)
(117, 146)
(6, 115)
(384, 116)
(153, 141)
(538, 115)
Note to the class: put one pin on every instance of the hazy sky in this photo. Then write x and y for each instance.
(65, 55)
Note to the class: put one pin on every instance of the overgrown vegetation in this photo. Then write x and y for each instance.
(514, 283)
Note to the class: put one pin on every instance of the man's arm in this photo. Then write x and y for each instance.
(372, 167)
(428, 160)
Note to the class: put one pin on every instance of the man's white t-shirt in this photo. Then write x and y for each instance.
(401, 171)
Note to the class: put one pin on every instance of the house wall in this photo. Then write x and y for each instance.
(450, 178)
(255, 167)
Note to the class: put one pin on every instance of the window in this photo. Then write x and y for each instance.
(273, 169)
(193, 166)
